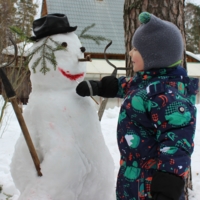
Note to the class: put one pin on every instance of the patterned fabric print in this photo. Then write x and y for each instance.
(155, 129)
(137, 189)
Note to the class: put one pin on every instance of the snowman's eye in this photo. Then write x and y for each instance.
(82, 49)
(64, 44)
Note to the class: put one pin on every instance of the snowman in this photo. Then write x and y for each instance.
(74, 160)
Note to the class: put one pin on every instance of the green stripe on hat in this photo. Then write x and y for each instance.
(176, 63)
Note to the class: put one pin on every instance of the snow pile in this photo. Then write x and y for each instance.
(108, 125)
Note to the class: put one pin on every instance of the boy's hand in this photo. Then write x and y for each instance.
(166, 186)
(88, 88)
(107, 87)
(161, 197)
(82, 89)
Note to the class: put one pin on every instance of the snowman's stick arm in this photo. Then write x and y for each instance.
(10, 93)
(114, 73)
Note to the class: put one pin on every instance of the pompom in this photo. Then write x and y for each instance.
(144, 17)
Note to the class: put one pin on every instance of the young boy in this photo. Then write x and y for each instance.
(157, 119)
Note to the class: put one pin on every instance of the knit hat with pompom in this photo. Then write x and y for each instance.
(159, 42)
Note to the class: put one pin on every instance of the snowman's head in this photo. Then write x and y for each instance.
(67, 71)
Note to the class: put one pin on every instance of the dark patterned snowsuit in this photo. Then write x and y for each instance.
(155, 129)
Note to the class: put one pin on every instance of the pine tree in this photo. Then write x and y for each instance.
(6, 20)
(24, 15)
(17, 13)
(192, 26)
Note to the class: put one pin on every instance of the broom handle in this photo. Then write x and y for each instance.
(12, 97)
(26, 134)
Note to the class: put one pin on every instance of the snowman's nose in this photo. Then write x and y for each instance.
(87, 58)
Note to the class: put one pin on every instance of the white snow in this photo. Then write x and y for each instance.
(39, 8)
(108, 125)
(196, 2)
(22, 47)
(196, 56)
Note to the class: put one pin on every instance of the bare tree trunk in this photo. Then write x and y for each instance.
(170, 10)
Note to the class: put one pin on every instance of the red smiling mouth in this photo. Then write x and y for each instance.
(72, 77)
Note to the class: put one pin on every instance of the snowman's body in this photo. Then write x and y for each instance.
(64, 127)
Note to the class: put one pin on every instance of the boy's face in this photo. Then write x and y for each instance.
(138, 63)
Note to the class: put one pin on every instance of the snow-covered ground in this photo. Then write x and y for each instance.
(196, 2)
(10, 131)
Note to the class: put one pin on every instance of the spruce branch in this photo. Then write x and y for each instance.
(58, 46)
(45, 47)
(20, 33)
(35, 64)
(86, 29)
(46, 52)
(96, 38)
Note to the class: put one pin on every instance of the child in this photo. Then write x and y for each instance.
(157, 119)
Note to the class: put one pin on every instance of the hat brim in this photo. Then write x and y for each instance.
(53, 32)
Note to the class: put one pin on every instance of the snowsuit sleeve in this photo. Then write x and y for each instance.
(124, 84)
(174, 118)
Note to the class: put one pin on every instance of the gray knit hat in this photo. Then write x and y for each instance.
(159, 42)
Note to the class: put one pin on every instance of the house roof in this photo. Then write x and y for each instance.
(106, 14)
(195, 56)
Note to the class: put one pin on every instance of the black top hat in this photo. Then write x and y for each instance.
(51, 24)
